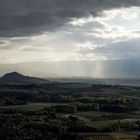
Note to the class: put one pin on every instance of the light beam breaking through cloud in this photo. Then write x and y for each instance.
(62, 30)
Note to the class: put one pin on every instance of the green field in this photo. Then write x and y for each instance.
(28, 107)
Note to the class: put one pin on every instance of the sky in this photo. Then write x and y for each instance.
(87, 38)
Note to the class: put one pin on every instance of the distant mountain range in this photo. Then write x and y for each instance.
(15, 77)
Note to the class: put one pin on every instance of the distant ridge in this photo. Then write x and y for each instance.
(15, 77)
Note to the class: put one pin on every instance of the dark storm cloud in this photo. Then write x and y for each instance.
(27, 17)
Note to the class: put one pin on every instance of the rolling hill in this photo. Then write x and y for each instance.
(15, 77)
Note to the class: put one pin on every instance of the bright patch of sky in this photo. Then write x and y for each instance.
(128, 17)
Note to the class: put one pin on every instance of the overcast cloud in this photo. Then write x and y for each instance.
(27, 17)
(69, 30)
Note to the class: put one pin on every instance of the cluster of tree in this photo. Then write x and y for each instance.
(11, 101)
(65, 108)
(124, 125)
(72, 104)
(86, 106)
(118, 108)
(52, 126)
(104, 107)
